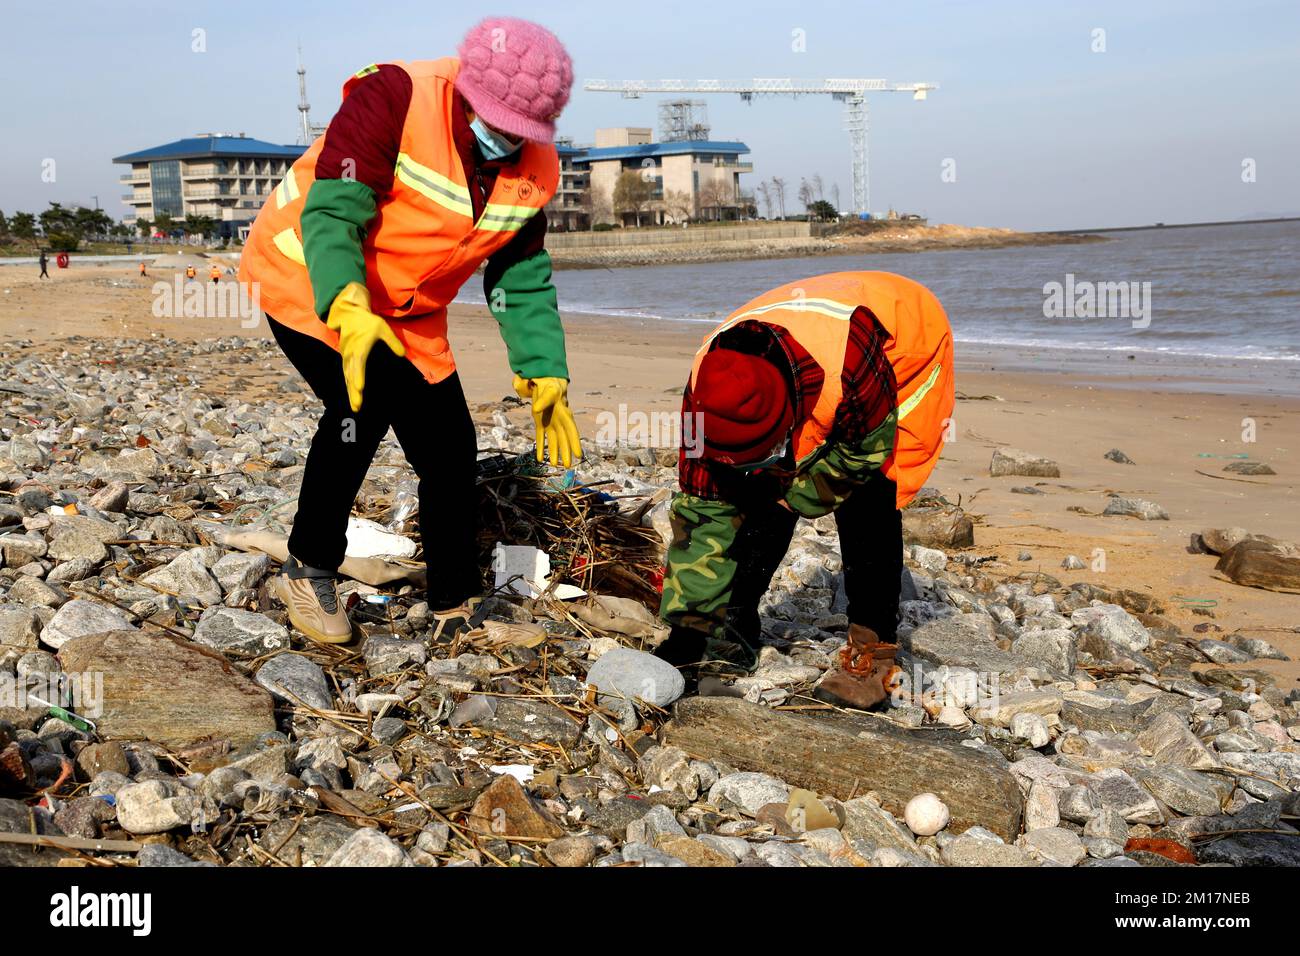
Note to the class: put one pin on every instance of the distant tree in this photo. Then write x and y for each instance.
(4, 225)
(821, 209)
(144, 226)
(165, 223)
(817, 185)
(204, 226)
(778, 189)
(717, 194)
(92, 223)
(63, 227)
(766, 195)
(805, 193)
(835, 197)
(677, 205)
(632, 193)
(23, 226)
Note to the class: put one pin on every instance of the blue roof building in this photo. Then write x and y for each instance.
(225, 176)
(690, 180)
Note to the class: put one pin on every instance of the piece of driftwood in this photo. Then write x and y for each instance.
(160, 689)
(845, 758)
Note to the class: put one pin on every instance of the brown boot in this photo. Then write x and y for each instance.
(312, 600)
(866, 674)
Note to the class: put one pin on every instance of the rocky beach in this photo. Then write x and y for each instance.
(1099, 629)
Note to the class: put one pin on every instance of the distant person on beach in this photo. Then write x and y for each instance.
(190, 273)
(215, 274)
(45, 265)
(428, 170)
(831, 394)
(142, 270)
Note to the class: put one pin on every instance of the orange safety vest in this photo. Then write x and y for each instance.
(214, 273)
(816, 312)
(423, 243)
(189, 272)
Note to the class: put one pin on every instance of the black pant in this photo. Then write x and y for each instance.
(433, 426)
(871, 545)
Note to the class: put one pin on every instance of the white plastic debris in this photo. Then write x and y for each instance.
(366, 539)
(520, 771)
(525, 570)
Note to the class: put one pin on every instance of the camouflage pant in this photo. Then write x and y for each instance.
(871, 542)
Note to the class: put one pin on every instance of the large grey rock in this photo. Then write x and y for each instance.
(238, 570)
(239, 631)
(368, 847)
(980, 850)
(188, 577)
(19, 549)
(631, 674)
(1013, 461)
(749, 791)
(1252, 849)
(1001, 710)
(81, 536)
(82, 616)
(1054, 845)
(1135, 508)
(868, 821)
(1186, 791)
(964, 640)
(1113, 624)
(1115, 789)
(387, 654)
(1170, 740)
(529, 721)
(1054, 650)
(296, 679)
(659, 824)
(20, 628)
(155, 806)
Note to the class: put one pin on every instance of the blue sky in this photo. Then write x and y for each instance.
(1044, 132)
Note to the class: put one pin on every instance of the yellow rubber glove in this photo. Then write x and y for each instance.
(551, 415)
(359, 329)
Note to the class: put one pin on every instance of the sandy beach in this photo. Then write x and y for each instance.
(1071, 416)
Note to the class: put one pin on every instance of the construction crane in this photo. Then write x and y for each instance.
(851, 92)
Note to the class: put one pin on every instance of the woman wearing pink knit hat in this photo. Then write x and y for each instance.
(428, 170)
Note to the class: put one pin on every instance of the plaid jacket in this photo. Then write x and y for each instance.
(709, 508)
(869, 397)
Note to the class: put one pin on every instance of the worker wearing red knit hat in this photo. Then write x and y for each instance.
(430, 170)
(831, 394)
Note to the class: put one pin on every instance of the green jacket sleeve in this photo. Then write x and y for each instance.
(334, 221)
(832, 477)
(701, 563)
(521, 297)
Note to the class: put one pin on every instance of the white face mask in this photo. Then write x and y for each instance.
(493, 144)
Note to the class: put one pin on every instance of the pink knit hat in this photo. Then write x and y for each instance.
(516, 75)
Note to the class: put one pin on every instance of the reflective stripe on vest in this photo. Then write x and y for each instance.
(287, 241)
(499, 217)
(827, 307)
(366, 71)
(287, 191)
(915, 398)
(434, 186)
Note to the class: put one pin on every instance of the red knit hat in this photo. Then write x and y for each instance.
(516, 75)
(745, 404)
